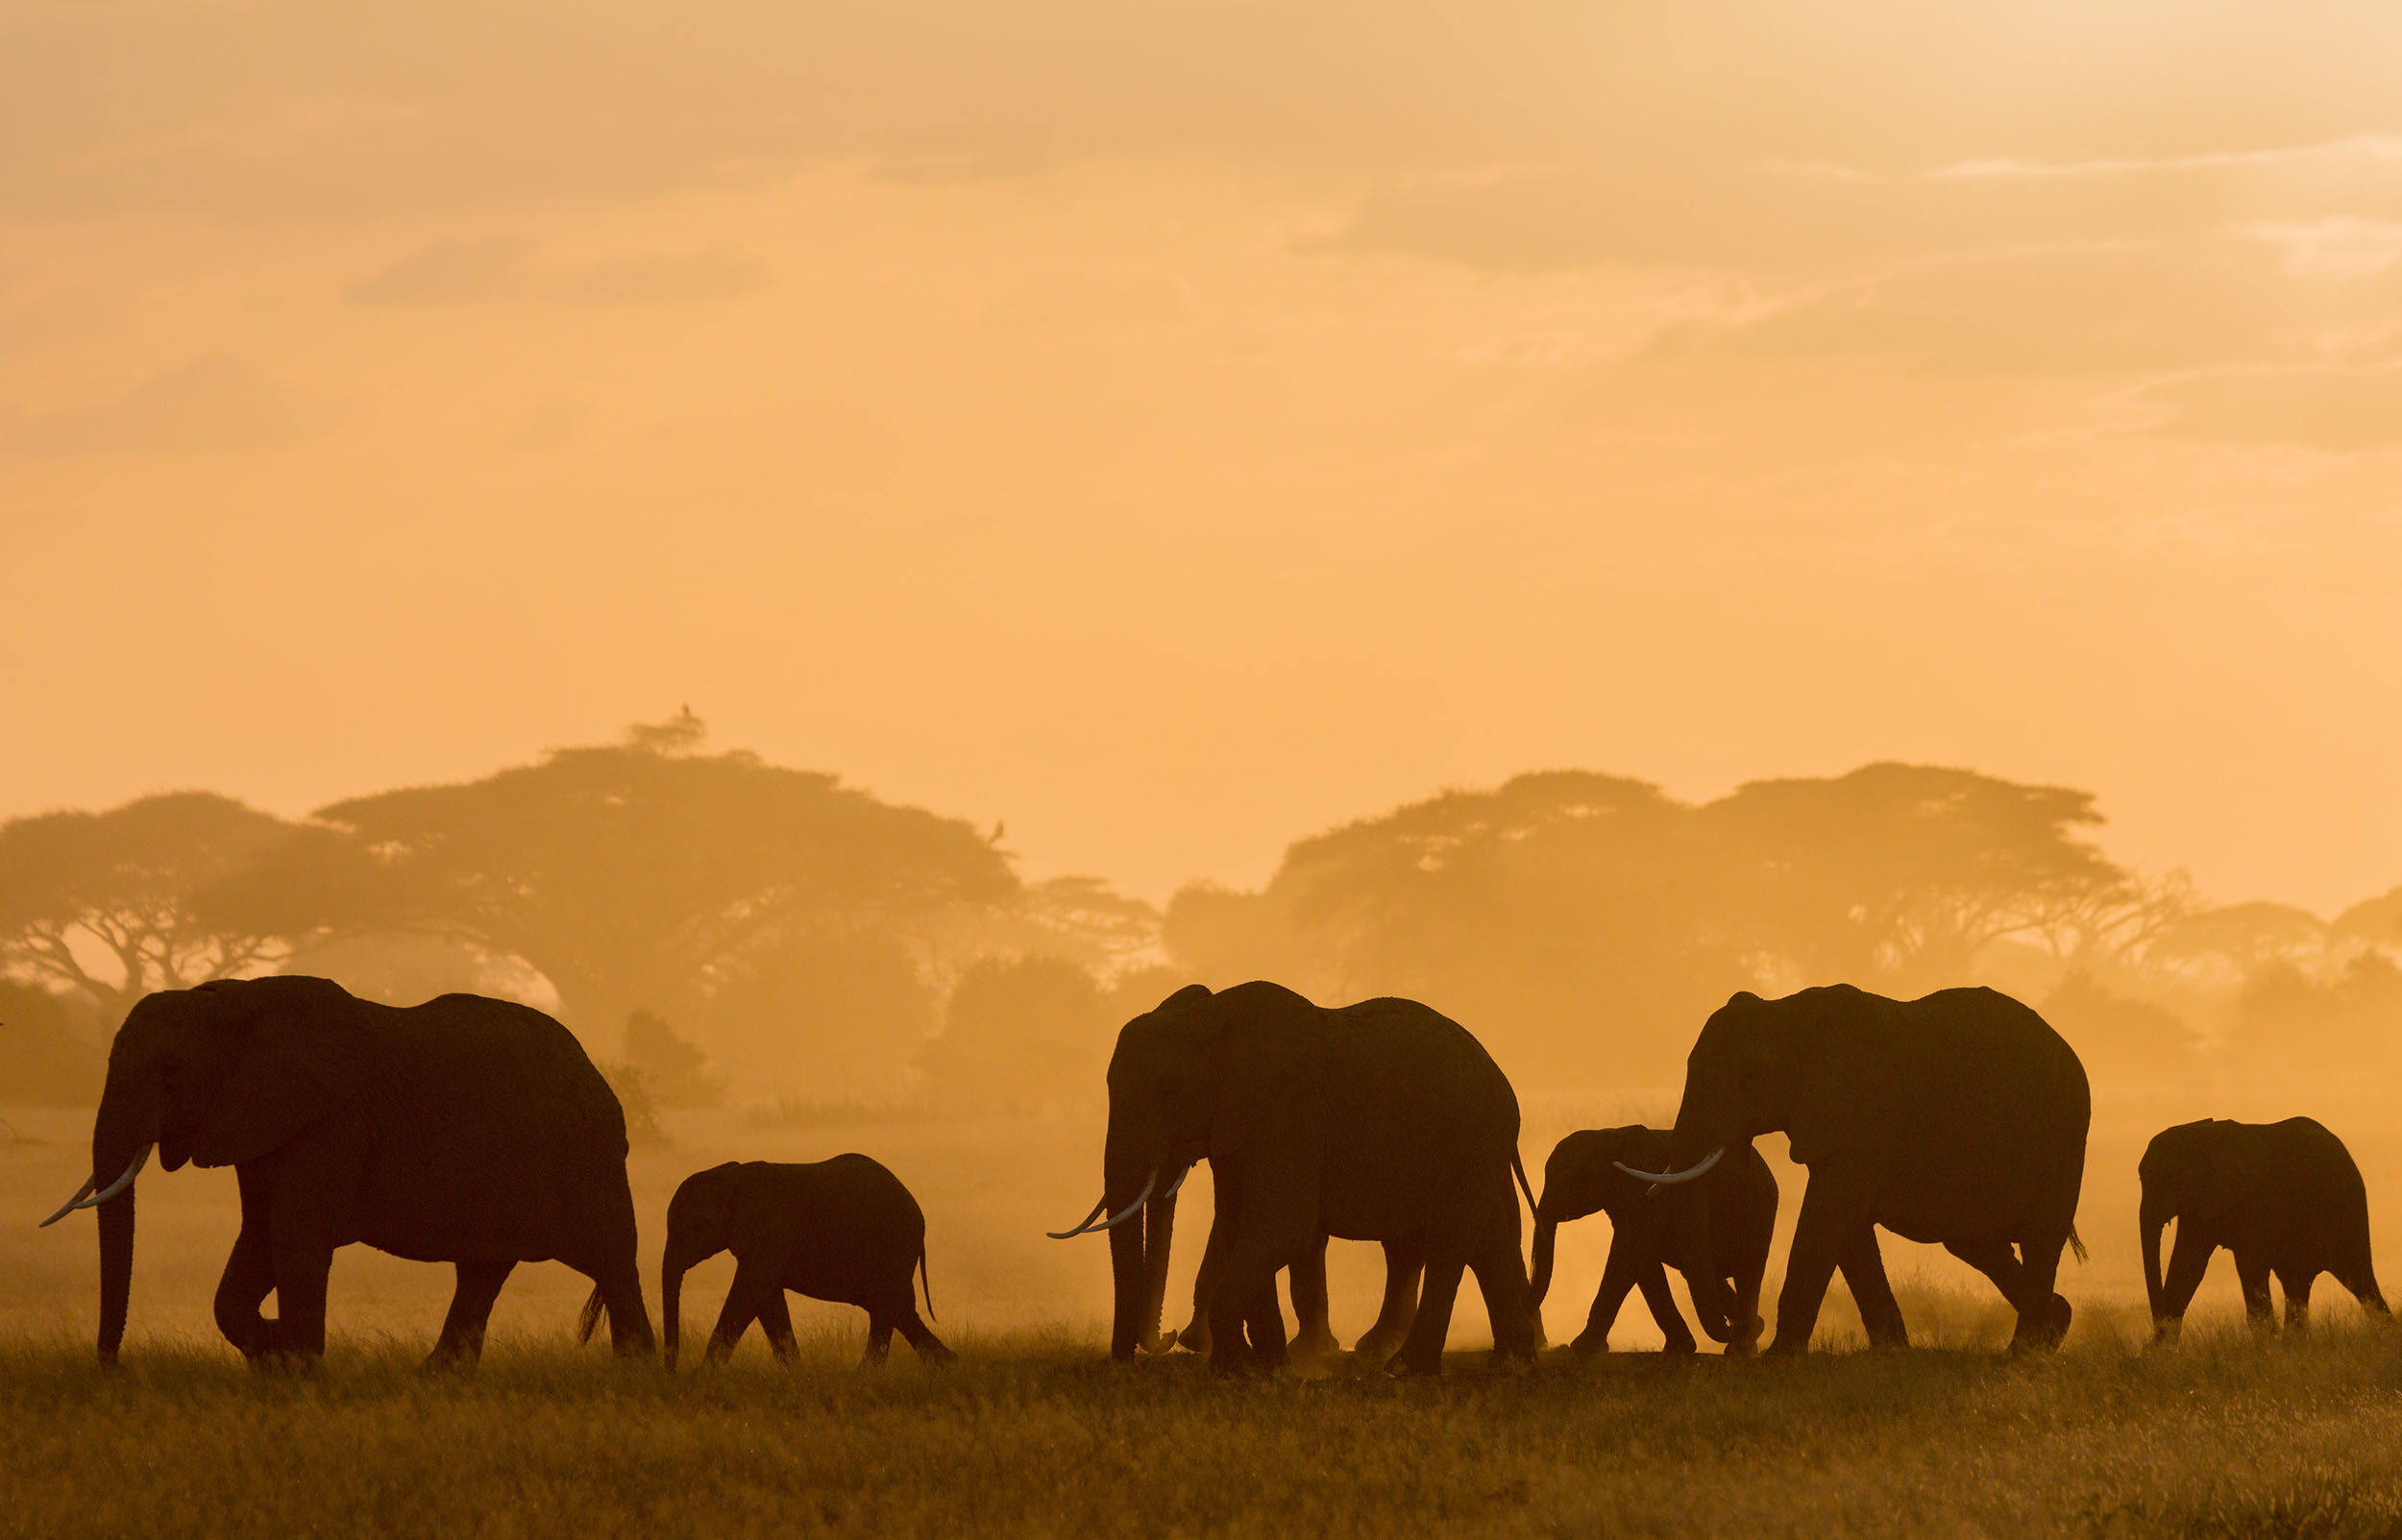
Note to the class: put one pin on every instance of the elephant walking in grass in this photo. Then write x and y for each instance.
(464, 1130)
(844, 1229)
(1378, 1121)
(1653, 1230)
(1959, 1118)
(2285, 1197)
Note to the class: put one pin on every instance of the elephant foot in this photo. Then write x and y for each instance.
(2042, 1327)
(1317, 1344)
(1685, 1349)
(1589, 1342)
(1376, 1349)
(1782, 1348)
(933, 1354)
(451, 1358)
(1194, 1338)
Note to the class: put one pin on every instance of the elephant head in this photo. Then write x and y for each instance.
(218, 1075)
(1763, 1067)
(1163, 1085)
(2193, 1173)
(700, 1225)
(1582, 1177)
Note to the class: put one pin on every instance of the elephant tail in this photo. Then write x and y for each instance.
(2076, 1245)
(589, 1319)
(1517, 1168)
(925, 1283)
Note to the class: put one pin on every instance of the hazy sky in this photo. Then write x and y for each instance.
(1174, 428)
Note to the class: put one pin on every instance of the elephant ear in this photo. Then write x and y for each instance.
(1835, 1068)
(2231, 1173)
(296, 1054)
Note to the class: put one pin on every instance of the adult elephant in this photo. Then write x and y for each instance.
(2285, 1197)
(1958, 1118)
(465, 1129)
(1314, 1329)
(1651, 1230)
(1378, 1121)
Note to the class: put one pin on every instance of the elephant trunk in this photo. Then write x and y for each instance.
(123, 1135)
(116, 1271)
(1135, 1314)
(1546, 1235)
(1158, 1237)
(2154, 1218)
(1706, 1281)
(671, 1270)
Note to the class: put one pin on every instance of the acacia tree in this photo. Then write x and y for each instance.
(632, 875)
(110, 905)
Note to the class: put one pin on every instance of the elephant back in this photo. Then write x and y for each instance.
(492, 1132)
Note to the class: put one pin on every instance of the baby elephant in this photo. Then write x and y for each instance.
(2284, 1197)
(1651, 1230)
(844, 1229)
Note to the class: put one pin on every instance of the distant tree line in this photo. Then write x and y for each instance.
(714, 925)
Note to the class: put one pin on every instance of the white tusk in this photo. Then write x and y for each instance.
(71, 1204)
(1134, 1208)
(1670, 1179)
(120, 1184)
(1082, 1225)
(1177, 1182)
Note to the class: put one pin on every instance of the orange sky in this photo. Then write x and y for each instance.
(1173, 429)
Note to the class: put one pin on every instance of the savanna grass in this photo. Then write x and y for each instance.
(1033, 1435)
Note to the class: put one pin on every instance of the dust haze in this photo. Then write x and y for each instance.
(844, 554)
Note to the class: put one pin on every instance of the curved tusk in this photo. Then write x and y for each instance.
(1670, 1179)
(120, 1184)
(71, 1204)
(1177, 1182)
(1134, 1208)
(1082, 1225)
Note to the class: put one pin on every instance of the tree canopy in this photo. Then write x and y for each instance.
(109, 905)
(632, 875)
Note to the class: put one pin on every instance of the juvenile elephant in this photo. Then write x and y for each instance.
(1653, 1230)
(463, 1130)
(844, 1229)
(1958, 1118)
(1378, 1121)
(2284, 1197)
(1313, 1333)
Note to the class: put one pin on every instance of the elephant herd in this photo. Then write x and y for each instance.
(476, 1132)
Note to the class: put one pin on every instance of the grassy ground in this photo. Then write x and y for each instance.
(1035, 1438)
(1035, 1434)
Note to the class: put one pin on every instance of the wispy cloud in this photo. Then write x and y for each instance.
(213, 403)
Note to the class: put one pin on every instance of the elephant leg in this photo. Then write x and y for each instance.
(1834, 1214)
(1748, 1324)
(619, 1283)
(880, 1326)
(1196, 1335)
(1863, 1266)
(2188, 1261)
(1501, 1277)
(914, 1331)
(2359, 1280)
(775, 1324)
(1404, 1260)
(249, 1279)
(1314, 1332)
(2296, 1284)
(1263, 1326)
(757, 1287)
(1422, 1350)
(1619, 1274)
(461, 1343)
(302, 1256)
(1652, 1281)
(2251, 1271)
